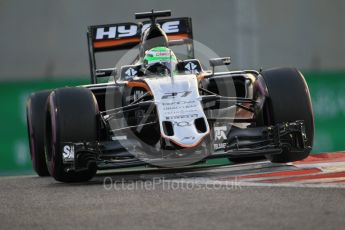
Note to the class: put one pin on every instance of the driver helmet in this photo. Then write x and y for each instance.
(160, 61)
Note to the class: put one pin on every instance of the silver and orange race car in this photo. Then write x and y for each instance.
(163, 107)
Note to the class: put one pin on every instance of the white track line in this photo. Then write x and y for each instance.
(239, 184)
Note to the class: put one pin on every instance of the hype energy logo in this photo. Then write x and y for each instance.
(131, 29)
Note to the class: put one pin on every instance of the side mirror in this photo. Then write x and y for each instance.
(220, 61)
(106, 72)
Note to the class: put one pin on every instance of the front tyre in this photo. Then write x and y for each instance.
(289, 101)
(72, 115)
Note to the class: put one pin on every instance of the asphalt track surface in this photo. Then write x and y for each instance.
(227, 197)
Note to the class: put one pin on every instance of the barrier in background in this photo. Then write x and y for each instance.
(327, 90)
(328, 98)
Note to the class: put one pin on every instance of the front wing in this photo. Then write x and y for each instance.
(248, 142)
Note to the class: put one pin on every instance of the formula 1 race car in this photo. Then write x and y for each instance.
(162, 110)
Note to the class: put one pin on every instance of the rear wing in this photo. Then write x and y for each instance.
(112, 37)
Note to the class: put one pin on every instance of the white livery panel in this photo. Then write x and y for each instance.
(179, 105)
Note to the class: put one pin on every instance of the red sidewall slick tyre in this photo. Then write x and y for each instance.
(71, 117)
(289, 100)
(35, 115)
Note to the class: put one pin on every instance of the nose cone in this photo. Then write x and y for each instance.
(179, 109)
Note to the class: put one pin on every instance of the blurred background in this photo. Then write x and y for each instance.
(43, 45)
